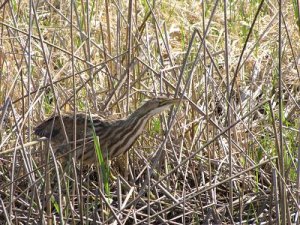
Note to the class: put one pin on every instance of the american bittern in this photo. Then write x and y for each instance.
(116, 136)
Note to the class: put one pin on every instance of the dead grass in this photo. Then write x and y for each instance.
(227, 155)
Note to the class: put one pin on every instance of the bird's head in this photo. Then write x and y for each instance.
(155, 106)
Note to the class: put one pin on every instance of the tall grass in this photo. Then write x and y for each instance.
(232, 153)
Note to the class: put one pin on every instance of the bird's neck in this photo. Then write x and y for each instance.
(137, 120)
(128, 131)
(139, 113)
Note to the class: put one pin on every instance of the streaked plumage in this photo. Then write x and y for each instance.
(116, 137)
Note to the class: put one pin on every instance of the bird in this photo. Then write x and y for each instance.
(116, 137)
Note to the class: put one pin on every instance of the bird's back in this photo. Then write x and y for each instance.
(53, 130)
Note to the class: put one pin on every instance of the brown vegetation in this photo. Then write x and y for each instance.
(230, 154)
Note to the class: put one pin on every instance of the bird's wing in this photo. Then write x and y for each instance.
(49, 128)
